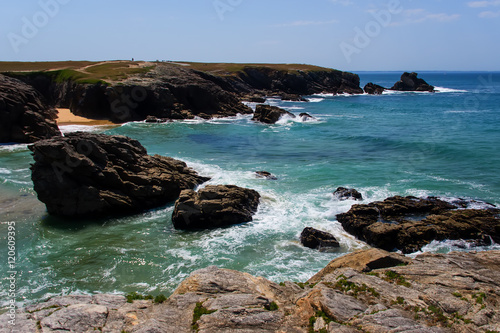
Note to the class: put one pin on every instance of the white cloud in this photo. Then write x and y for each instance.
(489, 14)
(482, 4)
(306, 23)
(419, 15)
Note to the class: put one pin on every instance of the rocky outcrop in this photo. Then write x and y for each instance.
(317, 239)
(84, 174)
(270, 114)
(24, 115)
(293, 98)
(410, 82)
(343, 193)
(266, 175)
(306, 117)
(373, 89)
(179, 92)
(434, 293)
(214, 207)
(408, 223)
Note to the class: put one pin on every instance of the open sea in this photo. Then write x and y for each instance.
(444, 144)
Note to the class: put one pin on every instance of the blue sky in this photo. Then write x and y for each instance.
(343, 34)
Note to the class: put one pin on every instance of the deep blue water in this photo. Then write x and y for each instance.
(444, 143)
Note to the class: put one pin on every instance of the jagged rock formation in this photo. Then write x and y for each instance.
(24, 116)
(373, 89)
(408, 223)
(84, 174)
(343, 193)
(317, 239)
(266, 175)
(410, 82)
(367, 291)
(215, 207)
(179, 92)
(270, 114)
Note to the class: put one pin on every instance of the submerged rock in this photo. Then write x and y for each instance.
(373, 89)
(434, 293)
(343, 193)
(215, 207)
(270, 114)
(410, 82)
(317, 239)
(305, 116)
(409, 223)
(24, 116)
(84, 174)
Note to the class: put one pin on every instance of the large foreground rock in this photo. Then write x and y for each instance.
(317, 239)
(410, 82)
(455, 292)
(408, 223)
(270, 114)
(24, 117)
(214, 207)
(85, 174)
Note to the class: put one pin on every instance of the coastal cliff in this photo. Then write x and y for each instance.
(126, 91)
(365, 291)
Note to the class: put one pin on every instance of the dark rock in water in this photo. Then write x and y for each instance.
(215, 207)
(24, 117)
(293, 98)
(255, 99)
(373, 89)
(265, 174)
(269, 114)
(343, 193)
(317, 239)
(306, 116)
(409, 223)
(84, 174)
(410, 82)
(153, 119)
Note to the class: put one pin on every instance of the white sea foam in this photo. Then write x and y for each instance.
(447, 246)
(5, 171)
(448, 90)
(315, 100)
(11, 148)
(80, 128)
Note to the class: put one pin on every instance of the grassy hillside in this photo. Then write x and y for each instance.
(116, 71)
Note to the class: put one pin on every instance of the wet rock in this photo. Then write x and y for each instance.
(317, 239)
(84, 174)
(306, 116)
(408, 223)
(343, 193)
(24, 115)
(293, 98)
(270, 114)
(410, 82)
(215, 207)
(266, 175)
(373, 89)
(153, 119)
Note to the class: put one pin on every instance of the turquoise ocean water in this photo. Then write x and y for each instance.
(444, 143)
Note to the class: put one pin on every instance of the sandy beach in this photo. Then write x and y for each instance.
(65, 117)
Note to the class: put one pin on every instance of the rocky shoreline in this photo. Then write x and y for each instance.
(365, 291)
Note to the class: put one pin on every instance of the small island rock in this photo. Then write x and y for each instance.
(270, 114)
(373, 89)
(343, 193)
(410, 82)
(215, 206)
(266, 175)
(317, 239)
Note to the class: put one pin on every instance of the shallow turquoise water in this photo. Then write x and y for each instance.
(444, 144)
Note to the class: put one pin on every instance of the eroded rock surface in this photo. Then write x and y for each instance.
(409, 223)
(410, 82)
(24, 116)
(270, 114)
(215, 206)
(84, 174)
(317, 239)
(455, 292)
